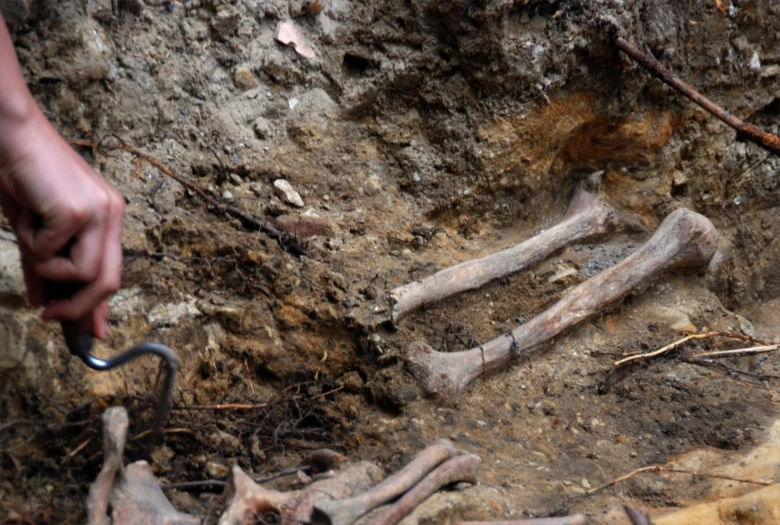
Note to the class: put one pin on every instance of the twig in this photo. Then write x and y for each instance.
(750, 132)
(79, 448)
(672, 346)
(328, 393)
(185, 485)
(763, 349)
(651, 468)
(249, 376)
(281, 474)
(664, 349)
(145, 433)
(285, 240)
(224, 406)
(51, 426)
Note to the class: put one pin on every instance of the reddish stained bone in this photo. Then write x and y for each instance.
(348, 511)
(684, 238)
(459, 468)
(588, 215)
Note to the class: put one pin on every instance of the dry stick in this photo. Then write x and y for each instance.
(574, 519)
(459, 468)
(740, 351)
(750, 132)
(348, 511)
(675, 344)
(225, 406)
(684, 238)
(664, 349)
(288, 242)
(651, 468)
(588, 215)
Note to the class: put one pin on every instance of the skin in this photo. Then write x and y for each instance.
(54, 199)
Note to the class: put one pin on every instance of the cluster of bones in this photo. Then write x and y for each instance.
(344, 492)
(684, 239)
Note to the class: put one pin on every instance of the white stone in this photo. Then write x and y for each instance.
(170, 314)
(285, 190)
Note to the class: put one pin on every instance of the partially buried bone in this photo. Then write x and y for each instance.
(348, 511)
(588, 215)
(460, 468)
(684, 238)
(246, 498)
(132, 494)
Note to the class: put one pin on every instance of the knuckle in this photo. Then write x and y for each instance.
(77, 213)
(110, 285)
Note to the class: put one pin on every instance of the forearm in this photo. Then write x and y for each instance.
(17, 105)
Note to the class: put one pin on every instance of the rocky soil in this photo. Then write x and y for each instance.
(421, 134)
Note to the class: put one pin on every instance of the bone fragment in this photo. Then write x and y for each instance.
(137, 499)
(574, 519)
(684, 239)
(114, 433)
(637, 516)
(132, 493)
(348, 511)
(247, 498)
(588, 215)
(459, 468)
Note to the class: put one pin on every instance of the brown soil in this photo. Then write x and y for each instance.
(422, 134)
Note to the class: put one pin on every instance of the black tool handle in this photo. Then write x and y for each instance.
(78, 334)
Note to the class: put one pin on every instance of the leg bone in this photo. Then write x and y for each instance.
(588, 215)
(683, 239)
(459, 468)
(348, 511)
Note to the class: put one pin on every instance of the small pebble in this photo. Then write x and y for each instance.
(285, 190)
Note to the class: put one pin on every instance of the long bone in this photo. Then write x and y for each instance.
(459, 468)
(683, 239)
(588, 215)
(348, 511)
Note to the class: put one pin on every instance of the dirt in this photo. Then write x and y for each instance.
(421, 135)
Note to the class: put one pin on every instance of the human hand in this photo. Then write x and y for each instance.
(54, 201)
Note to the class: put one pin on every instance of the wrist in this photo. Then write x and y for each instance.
(18, 116)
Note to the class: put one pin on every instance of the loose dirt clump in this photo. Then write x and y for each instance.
(421, 135)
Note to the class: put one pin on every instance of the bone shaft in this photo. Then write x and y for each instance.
(403, 480)
(575, 519)
(459, 468)
(588, 216)
(586, 299)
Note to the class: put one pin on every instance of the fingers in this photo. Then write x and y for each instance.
(91, 300)
(83, 261)
(54, 200)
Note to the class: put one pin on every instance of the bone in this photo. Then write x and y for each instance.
(348, 511)
(684, 239)
(637, 516)
(247, 498)
(574, 519)
(459, 468)
(588, 215)
(132, 493)
(115, 423)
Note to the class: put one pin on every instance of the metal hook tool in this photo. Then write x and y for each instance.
(79, 340)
